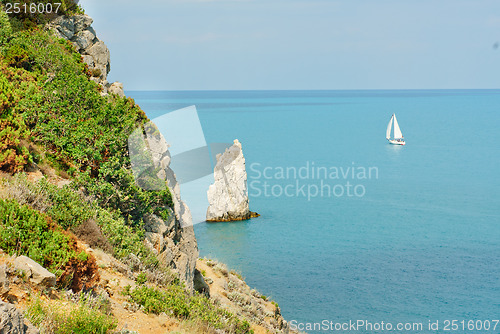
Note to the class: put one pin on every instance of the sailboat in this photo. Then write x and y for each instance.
(398, 138)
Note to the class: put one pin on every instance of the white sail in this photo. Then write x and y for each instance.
(397, 130)
(389, 127)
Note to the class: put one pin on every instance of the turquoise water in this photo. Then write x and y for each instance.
(422, 243)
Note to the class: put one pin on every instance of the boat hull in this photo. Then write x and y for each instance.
(397, 142)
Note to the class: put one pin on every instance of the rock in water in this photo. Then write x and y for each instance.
(228, 196)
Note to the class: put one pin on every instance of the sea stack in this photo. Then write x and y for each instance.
(228, 196)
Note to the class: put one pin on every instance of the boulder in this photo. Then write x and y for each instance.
(116, 88)
(100, 54)
(99, 51)
(13, 322)
(200, 285)
(57, 33)
(82, 22)
(65, 26)
(36, 273)
(228, 195)
(87, 59)
(101, 60)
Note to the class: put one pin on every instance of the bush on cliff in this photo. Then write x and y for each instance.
(49, 101)
(174, 300)
(81, 317)
(15, 85)
(70, 209)
(5, 27)
(25, 231)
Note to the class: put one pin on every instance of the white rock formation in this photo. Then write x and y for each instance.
(228, 196)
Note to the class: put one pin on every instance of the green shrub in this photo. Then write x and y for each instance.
(70, 209)
(13, 155)
(28, 232)
(14, 86)
(175, 300)
(156, 301)
(25, 231)
(66, 206)
(81, 132)
(5, 27)
(81, 318)
(125, 239)
(141, 278)
(115, 188)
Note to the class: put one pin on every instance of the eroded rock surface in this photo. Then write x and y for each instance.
(77, 29)
(13, 322)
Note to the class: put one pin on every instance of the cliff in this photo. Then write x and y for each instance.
(172, 240)
(78, 30)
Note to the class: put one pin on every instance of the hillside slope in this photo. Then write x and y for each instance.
(121, 254)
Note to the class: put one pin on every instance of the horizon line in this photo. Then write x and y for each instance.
(302, 90)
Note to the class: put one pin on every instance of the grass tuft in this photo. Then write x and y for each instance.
(80, 317)
(175, 301)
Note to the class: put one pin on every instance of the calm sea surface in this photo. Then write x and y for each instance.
(351, 227)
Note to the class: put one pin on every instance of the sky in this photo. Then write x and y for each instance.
(300, 44)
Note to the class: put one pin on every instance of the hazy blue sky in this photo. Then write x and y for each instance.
(300, 44)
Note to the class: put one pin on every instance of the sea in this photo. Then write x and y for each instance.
(356, 235)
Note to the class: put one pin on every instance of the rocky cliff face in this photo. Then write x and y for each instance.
(12, 321)
(173, 240)
(228, 196)
(78, 30)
